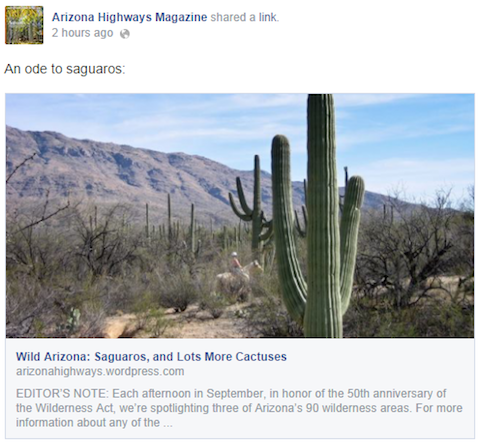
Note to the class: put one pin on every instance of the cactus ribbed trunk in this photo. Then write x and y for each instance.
(323, 310)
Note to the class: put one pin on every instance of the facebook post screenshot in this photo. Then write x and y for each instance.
(247, 221)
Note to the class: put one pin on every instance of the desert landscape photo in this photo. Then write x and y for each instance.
(239, 215)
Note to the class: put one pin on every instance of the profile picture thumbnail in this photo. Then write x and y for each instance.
(24, 25)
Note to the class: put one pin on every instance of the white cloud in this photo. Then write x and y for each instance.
(349, 100)
(379, 133)
(420, 178)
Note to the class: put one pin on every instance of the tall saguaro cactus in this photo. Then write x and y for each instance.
(319, 303)
(255, 214)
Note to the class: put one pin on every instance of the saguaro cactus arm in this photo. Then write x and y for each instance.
(244, 217)
(241, 197)
(294, 289)
(349, 235)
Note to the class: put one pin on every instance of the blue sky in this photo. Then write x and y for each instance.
(414, 143)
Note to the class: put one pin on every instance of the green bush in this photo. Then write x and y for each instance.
(266, 316)
(178, 291)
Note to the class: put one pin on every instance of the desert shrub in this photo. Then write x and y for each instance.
(267, 316)
(464, 237)
(178, 290)
(103, 247)
(213, 303)
(34, 308)
(209, 300)
(157, 324)
(402, 249)
(91, 323)
(38, 251)
(435, 317)
(48, 310)
(150, 317)
(235, 290)
(80, 322)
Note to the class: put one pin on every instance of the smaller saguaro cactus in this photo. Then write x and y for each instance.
(173, 228)
(169, 216)
(254, 215)
(73, 321)
(302, 231)
(225, 238)
(235, 237)
(239, 231)
(192, 228)
(194, 245)
(147, 227)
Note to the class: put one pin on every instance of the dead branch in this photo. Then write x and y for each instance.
(20, 165)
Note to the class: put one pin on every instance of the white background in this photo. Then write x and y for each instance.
(342, 365)
(334, 46)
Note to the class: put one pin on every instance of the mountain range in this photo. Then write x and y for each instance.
(106, 173)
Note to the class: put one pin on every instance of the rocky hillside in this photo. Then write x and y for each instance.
(106, 173)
